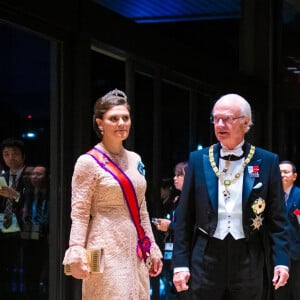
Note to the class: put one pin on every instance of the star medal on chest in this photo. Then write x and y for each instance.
(257, 222)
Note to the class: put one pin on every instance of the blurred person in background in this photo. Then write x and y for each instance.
(291, 291)
(167, 226)
(11, 203)
(35, 235)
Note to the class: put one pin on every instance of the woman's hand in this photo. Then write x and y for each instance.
(156, 267)
(79, 270)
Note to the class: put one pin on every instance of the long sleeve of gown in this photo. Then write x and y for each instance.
(145, 222)
(82, 191)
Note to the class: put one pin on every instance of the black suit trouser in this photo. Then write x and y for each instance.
(226, 269)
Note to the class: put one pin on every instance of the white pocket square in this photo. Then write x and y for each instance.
(201, 229)
(258, 186)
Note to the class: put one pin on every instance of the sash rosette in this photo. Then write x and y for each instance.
(143, 248)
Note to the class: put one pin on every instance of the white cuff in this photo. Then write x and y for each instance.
(181, 269)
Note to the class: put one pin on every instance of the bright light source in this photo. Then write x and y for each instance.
(29, 135)
(199, 147)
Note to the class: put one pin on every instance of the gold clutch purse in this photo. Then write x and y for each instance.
(95, 261)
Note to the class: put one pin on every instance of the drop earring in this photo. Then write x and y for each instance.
(101, 129)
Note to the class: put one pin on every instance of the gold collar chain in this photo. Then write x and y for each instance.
(228, 182)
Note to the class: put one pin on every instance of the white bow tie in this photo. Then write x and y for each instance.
(237, 152)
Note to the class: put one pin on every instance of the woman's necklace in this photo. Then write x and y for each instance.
(221, 175)
(114, 156)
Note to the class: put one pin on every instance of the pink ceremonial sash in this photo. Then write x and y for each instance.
(144, 243)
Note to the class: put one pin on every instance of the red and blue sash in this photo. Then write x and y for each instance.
(144, 243)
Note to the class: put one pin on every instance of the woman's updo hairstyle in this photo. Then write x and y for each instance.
(105, 103)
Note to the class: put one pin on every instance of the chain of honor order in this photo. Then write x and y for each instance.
(228, 182)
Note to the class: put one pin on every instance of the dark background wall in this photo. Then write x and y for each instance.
(58, 57)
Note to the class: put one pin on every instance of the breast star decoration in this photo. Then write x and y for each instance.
(258, 208)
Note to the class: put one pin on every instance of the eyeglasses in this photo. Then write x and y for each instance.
(227, 120)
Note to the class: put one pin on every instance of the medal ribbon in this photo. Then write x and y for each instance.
(144, 243)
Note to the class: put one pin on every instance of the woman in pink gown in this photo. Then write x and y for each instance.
(101, 219)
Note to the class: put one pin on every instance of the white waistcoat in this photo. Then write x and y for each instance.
(230, 215)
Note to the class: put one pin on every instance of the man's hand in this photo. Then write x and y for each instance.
(180, 280)
(9, 192)
(163, 224)
(281, 275)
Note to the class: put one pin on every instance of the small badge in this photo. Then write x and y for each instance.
(297, 214)
(168, 255)
(258, 206)
(253, 171)
(141, 168)
(169, 246)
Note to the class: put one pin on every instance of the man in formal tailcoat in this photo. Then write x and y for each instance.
(231, 210)
(291, 290)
